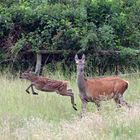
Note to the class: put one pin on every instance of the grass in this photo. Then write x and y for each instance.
(49, 116)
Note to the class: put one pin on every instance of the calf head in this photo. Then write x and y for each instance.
(27, 74)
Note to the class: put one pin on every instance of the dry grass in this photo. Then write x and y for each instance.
(51, 117)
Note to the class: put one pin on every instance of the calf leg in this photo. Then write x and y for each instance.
(33, 92)
(27, 90)
(70, 93)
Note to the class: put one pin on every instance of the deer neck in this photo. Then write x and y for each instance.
(81, 83)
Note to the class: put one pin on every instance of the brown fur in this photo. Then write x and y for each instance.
(98, 89)
(48, 85)
(45, 84)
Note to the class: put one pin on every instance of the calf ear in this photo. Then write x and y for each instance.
(34, 73)
(83, 58)
(27, 71)
(76, 58)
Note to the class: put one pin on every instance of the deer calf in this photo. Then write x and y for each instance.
(48, 85)
(98, 89)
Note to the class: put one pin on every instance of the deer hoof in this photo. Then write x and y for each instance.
(129, 106)
(34, 93)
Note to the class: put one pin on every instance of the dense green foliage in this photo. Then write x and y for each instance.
(79, 25)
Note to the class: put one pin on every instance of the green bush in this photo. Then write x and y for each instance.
(83, 26)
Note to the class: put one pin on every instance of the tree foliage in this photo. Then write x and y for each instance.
(79, 25)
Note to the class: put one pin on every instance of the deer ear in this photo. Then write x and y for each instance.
(76, 58)
(83, 57)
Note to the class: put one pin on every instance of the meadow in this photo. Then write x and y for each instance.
(49, 116)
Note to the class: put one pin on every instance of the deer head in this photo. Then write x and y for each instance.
(80, 64)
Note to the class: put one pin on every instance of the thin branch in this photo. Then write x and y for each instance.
(6, 60)
(103, 52)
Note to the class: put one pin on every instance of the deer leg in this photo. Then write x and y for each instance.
(27, 90)
(33, 92)
(84, 105)
(123, 102)
(97, 103)
(117, 101)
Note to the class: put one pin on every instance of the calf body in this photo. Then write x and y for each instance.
(48, 85)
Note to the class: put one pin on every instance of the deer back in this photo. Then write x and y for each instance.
(107, 87)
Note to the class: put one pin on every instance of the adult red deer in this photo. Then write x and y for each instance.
(47, 85)
(98, 89)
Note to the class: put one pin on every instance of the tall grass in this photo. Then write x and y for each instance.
(50, 116)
